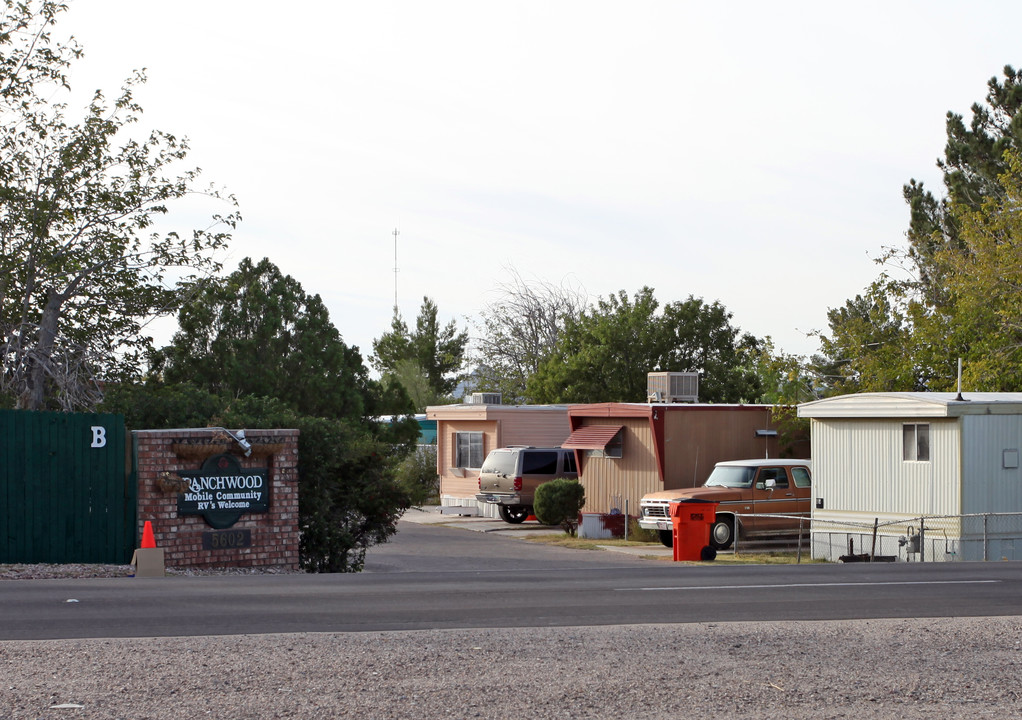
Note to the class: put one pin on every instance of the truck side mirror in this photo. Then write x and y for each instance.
(770, 484)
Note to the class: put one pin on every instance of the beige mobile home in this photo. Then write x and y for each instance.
(626, 450)
(467, 433)
(927, 468)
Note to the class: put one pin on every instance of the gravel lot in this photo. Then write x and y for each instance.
(933, 669)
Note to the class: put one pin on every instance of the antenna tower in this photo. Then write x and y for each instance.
(396, 233)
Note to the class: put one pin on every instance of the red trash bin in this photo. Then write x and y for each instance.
(692, 520)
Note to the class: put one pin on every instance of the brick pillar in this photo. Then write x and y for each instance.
(161, 454)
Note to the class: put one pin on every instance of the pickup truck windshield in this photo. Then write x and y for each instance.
(732, 477)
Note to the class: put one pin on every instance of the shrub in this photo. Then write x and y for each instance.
(417, 475)
(558, 502)
(638, 534)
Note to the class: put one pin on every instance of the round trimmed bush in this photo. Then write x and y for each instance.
(558, 502)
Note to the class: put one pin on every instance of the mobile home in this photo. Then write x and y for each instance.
(927, 469)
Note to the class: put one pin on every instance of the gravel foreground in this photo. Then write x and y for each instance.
(933, 669)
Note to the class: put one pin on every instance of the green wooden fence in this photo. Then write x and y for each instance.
(64, 494)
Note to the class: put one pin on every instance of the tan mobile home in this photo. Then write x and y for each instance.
(467, 433)
(626, 450)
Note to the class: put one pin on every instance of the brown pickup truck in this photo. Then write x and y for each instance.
(745, 489)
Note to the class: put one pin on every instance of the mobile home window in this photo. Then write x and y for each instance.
(915, 442)
(468, 449)
(612, 449)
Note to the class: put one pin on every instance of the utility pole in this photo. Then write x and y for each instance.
(396, 233)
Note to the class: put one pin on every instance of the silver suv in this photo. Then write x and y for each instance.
(509, 477)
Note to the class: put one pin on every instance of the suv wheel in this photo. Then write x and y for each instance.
(666, 538)
(514, 514)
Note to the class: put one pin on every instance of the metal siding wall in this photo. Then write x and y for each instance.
(629, 477)
(542, 429)
(63, 500)
(987, 486)
(857, 467)
(696, 440)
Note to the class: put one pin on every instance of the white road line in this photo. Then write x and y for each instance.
(810, 585)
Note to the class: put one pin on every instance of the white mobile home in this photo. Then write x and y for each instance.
(939, 462)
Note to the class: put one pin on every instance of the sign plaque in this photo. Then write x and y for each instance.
(226, 539)
(222, 491)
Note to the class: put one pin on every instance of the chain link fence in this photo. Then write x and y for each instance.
(928, 538)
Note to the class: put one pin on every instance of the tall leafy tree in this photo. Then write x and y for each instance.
(982, 318)
(434, 353)
(257, 332)
(81, 265)
(869, 346)
(255, 350)
(605, 354)
(908, 329)
(972, 164)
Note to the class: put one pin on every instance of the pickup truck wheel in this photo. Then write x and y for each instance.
(666, 538)
(514, 514)
(722, 534)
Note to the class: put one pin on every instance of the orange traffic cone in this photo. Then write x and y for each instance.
(148, 539)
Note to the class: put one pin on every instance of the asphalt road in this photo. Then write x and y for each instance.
(434, 577)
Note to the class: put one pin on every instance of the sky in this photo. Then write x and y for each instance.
(745, 152)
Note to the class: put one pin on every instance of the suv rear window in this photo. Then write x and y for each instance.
(500, 462)
(539, 463)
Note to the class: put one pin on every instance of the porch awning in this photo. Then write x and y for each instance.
(592, 437)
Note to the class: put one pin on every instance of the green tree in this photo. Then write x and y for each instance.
(81, 266)
(417, 475)
(869, 346)
(257, 332)
(433, 353)
(973, 162)
(784, 378)
(348, 498)
(255, 350)
(907, 334)
(982, 318)
(605, 354)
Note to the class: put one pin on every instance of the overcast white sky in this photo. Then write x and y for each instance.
(746, 152)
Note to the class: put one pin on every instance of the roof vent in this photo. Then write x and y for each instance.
(672, 387)
(483, 398)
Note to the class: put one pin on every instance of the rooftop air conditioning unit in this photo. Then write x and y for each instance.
(672, 387)
(483, 398)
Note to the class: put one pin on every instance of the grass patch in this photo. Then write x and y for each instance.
(565, 540)
(743, 558)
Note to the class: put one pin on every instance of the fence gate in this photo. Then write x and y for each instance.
(64, 494)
